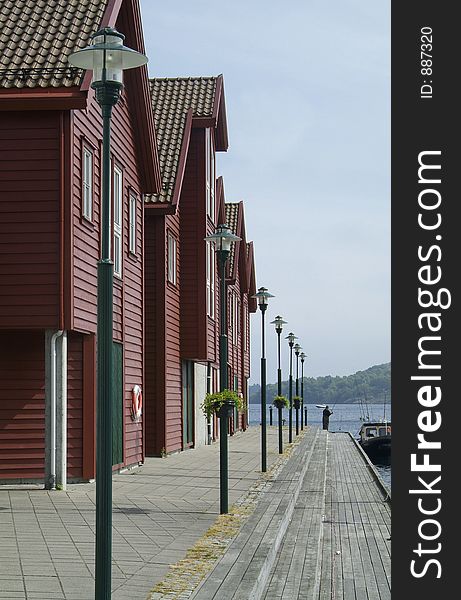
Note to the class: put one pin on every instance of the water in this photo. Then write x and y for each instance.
(345, 417)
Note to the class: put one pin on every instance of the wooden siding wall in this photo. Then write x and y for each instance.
(163, 403)
(154, 396)
(128, 291)
(29, 219)
(246, 350)
(173, 371)
(74, 406)
(194, 323)
(22, 405)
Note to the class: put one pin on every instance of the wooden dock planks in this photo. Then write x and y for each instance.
(337, 545)
(357, 525)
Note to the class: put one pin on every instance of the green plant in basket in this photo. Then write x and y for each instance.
(213, 402)
(297, 401)
(281, 402)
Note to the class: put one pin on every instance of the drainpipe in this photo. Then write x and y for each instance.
(52, 478)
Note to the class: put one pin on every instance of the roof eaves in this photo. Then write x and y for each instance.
(220, 116)
(182, 160)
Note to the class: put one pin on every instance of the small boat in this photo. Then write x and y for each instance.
(375, 439)
(321, 405)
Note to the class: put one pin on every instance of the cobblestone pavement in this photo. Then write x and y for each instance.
(160, 510)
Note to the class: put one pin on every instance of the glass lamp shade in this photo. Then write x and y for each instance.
(302, 356)
(263, 295)
(107, 52)
(297, 348)
(223, 238)
(279, 323)
(291, 338)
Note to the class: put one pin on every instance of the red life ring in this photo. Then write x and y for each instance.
(136, 403)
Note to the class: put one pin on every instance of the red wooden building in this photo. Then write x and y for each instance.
(182, 286)
(50, 157)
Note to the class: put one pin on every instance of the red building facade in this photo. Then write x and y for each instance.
(165, 199)
(182, 283)
(50, 161)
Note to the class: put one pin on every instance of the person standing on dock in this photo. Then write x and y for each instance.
(326, 417)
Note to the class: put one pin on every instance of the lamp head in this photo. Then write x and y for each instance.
(107, 57)
(302, 356)
(263, 295)
(291, 339)
(223, 238)
(297, 349)
(279, 323)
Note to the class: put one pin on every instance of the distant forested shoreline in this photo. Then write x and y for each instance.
(372, 385)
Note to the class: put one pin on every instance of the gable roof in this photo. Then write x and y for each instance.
(232, 221)
(37, 37)
(178, 105)
(242, 253)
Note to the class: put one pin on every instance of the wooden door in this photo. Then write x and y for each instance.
(187, 403)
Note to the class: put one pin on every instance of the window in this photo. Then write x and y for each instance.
(210, 175)
(87, 183)
(172, 251)
(118, 215)
(132, 225)
(210, 279)
(235, 319)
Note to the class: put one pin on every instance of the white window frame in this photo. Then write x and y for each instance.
(118, 220)
(210, 175)
(210, 278)
(172, 258)
(132, 233)
(87, 183)
(235, 327)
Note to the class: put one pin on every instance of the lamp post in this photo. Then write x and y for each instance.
(279, 323)
(263, 296)
(291, 340)
(223, 238)
(107, 57)
(297, 348)
(302, 357)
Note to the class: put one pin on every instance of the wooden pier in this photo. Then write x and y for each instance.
(332, 542)
(356, 548)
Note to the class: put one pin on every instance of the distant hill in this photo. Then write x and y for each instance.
(370, 385)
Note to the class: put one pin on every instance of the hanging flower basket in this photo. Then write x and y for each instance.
(297, 402)
(213, 403)
(280, 402)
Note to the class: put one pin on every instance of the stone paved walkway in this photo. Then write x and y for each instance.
(160, 510)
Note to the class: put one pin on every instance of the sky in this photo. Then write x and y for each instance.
(307, 88)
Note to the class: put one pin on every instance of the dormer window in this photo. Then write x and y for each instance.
(210, 175)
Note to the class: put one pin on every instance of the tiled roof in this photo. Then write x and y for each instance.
(172, 98)
(41, 34)
(232, 212)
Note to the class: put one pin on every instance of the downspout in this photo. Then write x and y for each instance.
(52, 478)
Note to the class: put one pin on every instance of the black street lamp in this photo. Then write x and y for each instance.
(263, 296)
(302, 357)
(279, 323)
(291, 340)
(297, 350)
(223, 239)
(107, 57)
